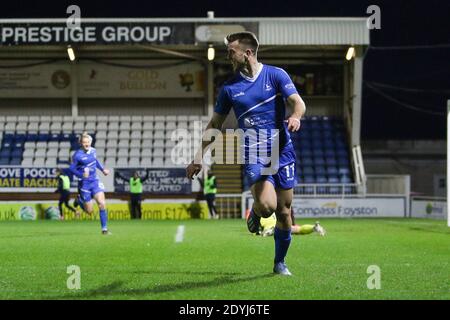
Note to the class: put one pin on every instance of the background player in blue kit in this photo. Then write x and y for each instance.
(258, 94)
(84, 166)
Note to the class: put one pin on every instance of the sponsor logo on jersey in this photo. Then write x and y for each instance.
(242, 93)
(290, 86)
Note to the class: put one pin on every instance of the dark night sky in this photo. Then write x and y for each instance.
(403, 23)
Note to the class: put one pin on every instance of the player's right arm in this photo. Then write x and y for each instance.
(195, 166)
(221, 110)
(74, 167)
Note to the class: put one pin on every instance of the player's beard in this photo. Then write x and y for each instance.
(237, 66)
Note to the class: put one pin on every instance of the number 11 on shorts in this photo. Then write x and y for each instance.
(290, 170)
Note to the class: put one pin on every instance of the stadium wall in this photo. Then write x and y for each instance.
(35, 107)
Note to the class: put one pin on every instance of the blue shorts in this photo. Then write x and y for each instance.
(88, 189)
(283, 175)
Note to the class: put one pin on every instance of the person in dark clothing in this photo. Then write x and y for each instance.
(64, 191)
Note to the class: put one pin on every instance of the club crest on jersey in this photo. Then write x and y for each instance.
(248, 122)
(268, 87)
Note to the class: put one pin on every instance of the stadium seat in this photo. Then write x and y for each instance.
(158, 162)
(159, 126)
(27, 162)
(100, 143)
(113, 126)
(182, 118)
(147, 135)
(52, 153)
(110, 162)
(112, 135)
(124, 135)
(78, 127)
(50, 162)
(122, 162)
(39, 162)
(147, 144)
(135, 153)
(136, 126)
(125, 126)
(159, 135)
(134, 162)
(125, 118)
(90, 127)
(146, 153)
(111, 152)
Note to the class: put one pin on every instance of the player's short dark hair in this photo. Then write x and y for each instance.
(247, 38)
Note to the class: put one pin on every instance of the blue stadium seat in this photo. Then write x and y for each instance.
(43, 137)
(31, 137)
(4, 161)
(318, 153)
(320, 170)
(342, 162)
(307, 171)
(6, 144)
(321, 179)
(17, 153)
(15, 161)
(331, 162)
(328, 144)
(341, 153)
(5, 153)
(345, 179)
(305, 153)
(333, 179)
(328, 134)
(306, 161)
(20, 138)
(319, 162)
(344, 170)
(55, 137)
(8, 138)
(332, 171)
(316, 135)
(330, 153)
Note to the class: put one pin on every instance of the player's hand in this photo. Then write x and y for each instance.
(293, 124)
(106, 172)
(193, 169)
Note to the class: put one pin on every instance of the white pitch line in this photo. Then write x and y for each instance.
(180, 234)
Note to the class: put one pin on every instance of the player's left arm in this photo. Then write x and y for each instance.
(101, 168)
(297, 105)
(292, 99)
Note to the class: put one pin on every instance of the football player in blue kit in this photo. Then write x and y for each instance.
(84, 166)
(259, 95)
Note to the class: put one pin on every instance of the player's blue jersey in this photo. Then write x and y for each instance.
(85, 160)
(259, 104)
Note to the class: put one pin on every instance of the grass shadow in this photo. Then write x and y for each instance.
(116, 288)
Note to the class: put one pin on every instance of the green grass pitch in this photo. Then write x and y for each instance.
(219, 259)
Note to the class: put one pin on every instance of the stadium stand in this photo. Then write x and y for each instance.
(321, 146)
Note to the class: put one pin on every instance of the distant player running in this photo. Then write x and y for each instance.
(258, 94)
(84, 166)
(267, 228)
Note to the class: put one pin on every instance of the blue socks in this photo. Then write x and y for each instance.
(282, 242)
(103, 219)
